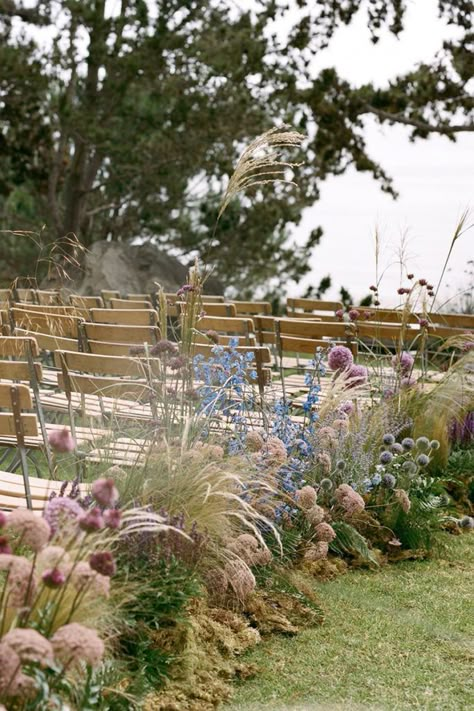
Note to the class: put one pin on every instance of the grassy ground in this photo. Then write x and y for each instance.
(401, 638)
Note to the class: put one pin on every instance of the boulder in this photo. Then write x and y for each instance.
(132, 268)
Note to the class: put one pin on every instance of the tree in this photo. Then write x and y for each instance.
(128, 121)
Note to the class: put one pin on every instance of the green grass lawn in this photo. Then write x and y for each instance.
(400, 638)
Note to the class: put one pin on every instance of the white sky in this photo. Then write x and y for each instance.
(435, 178)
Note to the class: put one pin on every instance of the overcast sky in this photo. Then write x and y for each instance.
(435, 178)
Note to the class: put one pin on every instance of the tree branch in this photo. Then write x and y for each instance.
(445, 129)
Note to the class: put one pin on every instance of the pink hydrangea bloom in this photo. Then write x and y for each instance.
(61, 441)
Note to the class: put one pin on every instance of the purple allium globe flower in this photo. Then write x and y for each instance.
(340, 358)
(164, 347)
(389, 481)
(5, 548)
(112, 518)
(60, 511)
(408, 443)
(388, 439)
(407, 382)
(103, 563)
(104, 492)
(410, 276)
(403, 362)
(388, 393)
(53, 578)
(423, 323)
(340, 314)
(347, 407)
(422, 282)
(367, 315)
(354, 314)
(356, 375)
(92, 521)
(386, 457)
(422, 460)
(185, 289)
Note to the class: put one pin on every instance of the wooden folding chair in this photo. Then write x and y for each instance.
(48, 297)
(19, 431)
(216, 309)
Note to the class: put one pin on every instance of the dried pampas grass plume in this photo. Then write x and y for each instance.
(259, 164)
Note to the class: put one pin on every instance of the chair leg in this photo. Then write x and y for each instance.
(26, 481)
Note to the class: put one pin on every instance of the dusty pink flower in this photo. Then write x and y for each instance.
(274, 450)
(306, 497)
(403, 362)
(86, 579)
(423, 322)
(325, 532)
(9, 667)
(30, 645)
(241, 578)
(407, 382)
(104, 492)
(314, 515)
(62, 512)
(349, 499)
(61, 441)
(213, 336)
(75, 643)
(52, 557)
(21, 584)
(4, 545)
(325, 461)
(248, 548)
(103, 563)
(354, 314)
(340, 358)
(178, 362)
(340, 314)
(92, 521)
(356, 375)
(347, 407)
(113, 518)
(53, 578)
(367, 315)
(317, 551)
(341, 426)
(254, 441)
(33, 530)
(164, 347)
(402, 498)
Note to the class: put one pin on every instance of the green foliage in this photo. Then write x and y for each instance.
(162, 590)
(129, 122)
(349, 541)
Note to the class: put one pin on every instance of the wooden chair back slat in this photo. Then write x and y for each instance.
(218, 309)
(103, 386)
(18, 346)
(102, 364)
(130, 304)
(121, 334)
(19, 370)
(312, 329)
(23, 395)
(253, 308)
(86, 302)
(50, 324)
(125, 317)
(108, 348)
(311, 305)
(49, 343)
(9, 425)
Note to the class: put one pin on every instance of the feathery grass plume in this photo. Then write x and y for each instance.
(458, 232)
(450, 399)
(260, 163)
